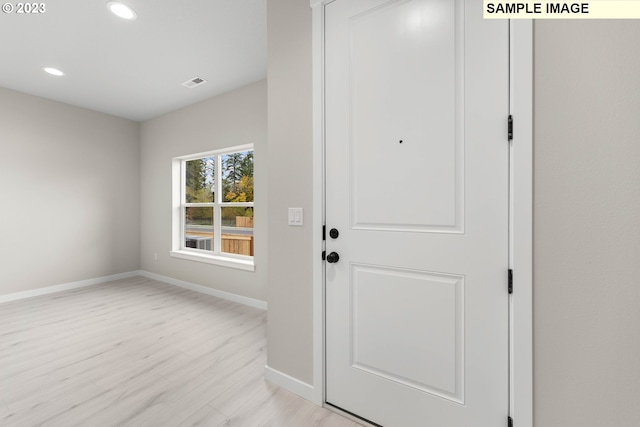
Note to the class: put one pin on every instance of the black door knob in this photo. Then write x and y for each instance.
(334, 233)
(333, 257)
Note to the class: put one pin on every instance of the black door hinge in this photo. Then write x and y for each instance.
(510, 127)
(509, 422)
(510, 281)
(324, 255)
(324, 233)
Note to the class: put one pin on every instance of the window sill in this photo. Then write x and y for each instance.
(224, 261)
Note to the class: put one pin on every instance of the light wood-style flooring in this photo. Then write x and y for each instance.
(138, 352)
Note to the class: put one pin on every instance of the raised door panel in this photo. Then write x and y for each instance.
(405, 95)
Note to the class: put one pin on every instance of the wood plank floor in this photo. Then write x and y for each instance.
(138, 352)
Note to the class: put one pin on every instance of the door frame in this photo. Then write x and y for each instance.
(520, 216)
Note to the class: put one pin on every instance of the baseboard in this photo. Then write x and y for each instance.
(103, 279)
(285, 381)
(66, 286)
(205, 290)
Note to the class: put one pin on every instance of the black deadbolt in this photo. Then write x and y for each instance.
(333, 257)
(334, 233)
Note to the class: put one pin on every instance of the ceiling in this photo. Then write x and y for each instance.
(134, 69)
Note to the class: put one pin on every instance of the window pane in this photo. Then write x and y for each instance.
(237, 177)
(200, 180)
(237, 230)
(198, 233)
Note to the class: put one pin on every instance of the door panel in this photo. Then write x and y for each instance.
(390, 45)
(417, 315)
(416, 101)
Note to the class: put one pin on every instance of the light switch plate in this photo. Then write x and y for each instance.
(296, 216)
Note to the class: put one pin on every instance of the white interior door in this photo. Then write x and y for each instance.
(416, 96)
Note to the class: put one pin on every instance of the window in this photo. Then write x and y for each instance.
(213, 207)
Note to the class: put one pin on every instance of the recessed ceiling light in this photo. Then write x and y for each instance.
(53, 71)
(121, 10)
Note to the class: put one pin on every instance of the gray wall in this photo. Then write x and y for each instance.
(587, 223)
(235, 118)
(70, 194)
(290, 166)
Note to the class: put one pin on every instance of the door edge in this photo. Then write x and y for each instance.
(521, 222)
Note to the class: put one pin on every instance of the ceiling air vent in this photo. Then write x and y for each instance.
(196, 81)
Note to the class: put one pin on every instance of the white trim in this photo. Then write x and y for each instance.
(220, 151)
(318, 201)
(262, 305)
(239, 264)
(66, 286)
(285, 381)
(521, 320)
(251, 302)
(521, 302)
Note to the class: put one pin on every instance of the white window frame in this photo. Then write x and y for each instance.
(179, 249)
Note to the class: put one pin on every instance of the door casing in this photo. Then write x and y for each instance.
(520, 217)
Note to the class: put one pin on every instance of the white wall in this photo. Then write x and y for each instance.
(235, 118)
(70, 194)
(290, 167)
(587, 224)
